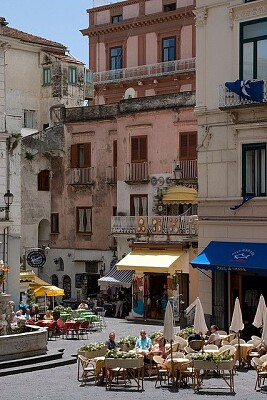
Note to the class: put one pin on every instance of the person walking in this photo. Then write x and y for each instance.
(119, 304)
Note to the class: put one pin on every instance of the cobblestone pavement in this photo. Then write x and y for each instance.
(61, 383)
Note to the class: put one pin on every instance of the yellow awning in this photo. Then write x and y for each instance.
(180, 194)
(33, 280)
(145, 260)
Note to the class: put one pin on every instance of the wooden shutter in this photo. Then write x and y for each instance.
(134, 149)
(74, 156)
(188, 146)
(44, 180)
(87, 155)
(115, 153)
(143, 149)
(139, 149)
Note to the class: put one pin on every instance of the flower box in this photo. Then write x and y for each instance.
(212, 365)
(93, 353)
(126, 347)
(124, 362)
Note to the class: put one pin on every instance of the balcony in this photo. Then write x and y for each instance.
(81, 176)
(181, 225)
(188, 168)
(145, 71)
(136, 173)
(111, 175)
(230, 100)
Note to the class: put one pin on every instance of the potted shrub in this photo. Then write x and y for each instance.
(186, 332)
(93, 350)
(122, 359)
(127, 343)
(210, 361)
(154, 335)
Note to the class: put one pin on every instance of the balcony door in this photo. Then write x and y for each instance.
(138, 205)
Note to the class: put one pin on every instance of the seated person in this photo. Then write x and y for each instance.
(27, 314)
(143, 344)
(159, 347)
(83, 306)
(214, 335)
(111, 344)
(194, 336)
(48, 315)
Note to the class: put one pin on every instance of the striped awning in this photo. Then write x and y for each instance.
(117, 278)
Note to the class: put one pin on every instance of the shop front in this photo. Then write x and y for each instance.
(159, 275)
(239, 269)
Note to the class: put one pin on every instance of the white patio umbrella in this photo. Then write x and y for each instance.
(260, 313)
(237, 324)
(168, 330)
(199, 320)
(264, 330)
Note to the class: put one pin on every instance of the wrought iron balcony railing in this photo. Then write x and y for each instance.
(183, 225)
(229, 99)
(188, 168)
(145, 71)
(137, 172)
(81, 176)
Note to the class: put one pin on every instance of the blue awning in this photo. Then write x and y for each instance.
(233, 256)
(117, 278)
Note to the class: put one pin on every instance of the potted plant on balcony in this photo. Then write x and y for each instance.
(127, 343)
(93, 350)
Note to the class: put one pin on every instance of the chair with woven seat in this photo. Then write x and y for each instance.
(162, 371)
(261, 371)
(88, 369)
(83, 329)
(196, 344)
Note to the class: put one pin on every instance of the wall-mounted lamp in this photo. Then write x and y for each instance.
(177, 172)
(8, 198)
(102, 269)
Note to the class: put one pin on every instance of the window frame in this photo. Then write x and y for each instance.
(189, 136)
(72, 75)
(116, 19)
(84, 232)
(168, 47)
(168, 7)
(132, 208)
(76, 160)
(253, 40)
(29, 116)
(120, 57)
(140, 150)
(257, 179)
(47, 76)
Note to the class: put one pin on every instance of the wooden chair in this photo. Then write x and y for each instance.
(210, 347)
(196, 344)
(88, 369)
(162, 372)
(260, 370)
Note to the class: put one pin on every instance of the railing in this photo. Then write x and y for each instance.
(144, 71)
(81, 176)
(137, 172)
(111, 175)
(183, 225)
(189, 168)
(229, 99)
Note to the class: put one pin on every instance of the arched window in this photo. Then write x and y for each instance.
(44, 180)
(67, 286)
(54, 280)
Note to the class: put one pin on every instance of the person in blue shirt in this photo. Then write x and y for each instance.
(143, 344)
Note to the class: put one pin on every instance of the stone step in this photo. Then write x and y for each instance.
(52, 363)
(49, 356)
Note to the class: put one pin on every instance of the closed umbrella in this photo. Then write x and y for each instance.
(168, 330)
(260, 313)
(199, 319)
(264, 330)
(237, 324)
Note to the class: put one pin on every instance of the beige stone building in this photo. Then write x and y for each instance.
(231, 47)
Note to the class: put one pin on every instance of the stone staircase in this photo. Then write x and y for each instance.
(46, 361)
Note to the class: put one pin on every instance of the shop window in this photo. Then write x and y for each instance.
(253, 49)
(138, 149)
(254, 169)
(188, 146)
(138, 205)
(54, 223)
(80, 155)
(44, 180)
(84, 220)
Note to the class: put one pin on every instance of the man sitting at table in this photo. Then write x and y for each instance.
(143, 344)
(83, 306)
(111, 344)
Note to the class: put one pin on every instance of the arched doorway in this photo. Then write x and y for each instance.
(67, 286)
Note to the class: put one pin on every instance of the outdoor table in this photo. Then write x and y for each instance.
(44, 322)
(224, 370)
(213, 351)
(132, 370)
(175, 367)
(242, 350)
(65, 316)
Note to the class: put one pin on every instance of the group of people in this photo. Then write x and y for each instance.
(212, 338)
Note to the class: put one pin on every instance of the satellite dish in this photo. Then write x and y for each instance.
(129, 93)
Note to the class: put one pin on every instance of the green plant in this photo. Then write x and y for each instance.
(30, 296)
(130, 340)
(62, 309)
(155, 335)
(92, 346)
(122, 354)
(211, 357)
(184, 333)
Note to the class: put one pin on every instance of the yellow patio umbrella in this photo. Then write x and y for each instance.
(48, 291)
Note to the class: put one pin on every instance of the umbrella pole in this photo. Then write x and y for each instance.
(45, 302)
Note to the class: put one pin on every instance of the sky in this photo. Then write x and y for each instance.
(57, 20)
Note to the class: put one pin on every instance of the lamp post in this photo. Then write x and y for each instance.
(8, 198)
